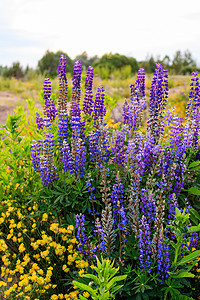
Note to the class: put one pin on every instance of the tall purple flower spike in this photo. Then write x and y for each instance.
(88, 102)
(63, 88)
(99, 106)
(158, 101)
(76, 90)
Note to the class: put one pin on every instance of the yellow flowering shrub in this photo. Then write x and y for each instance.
(37, 253)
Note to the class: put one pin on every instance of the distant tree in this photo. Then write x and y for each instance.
(183, 63)
(188, 59)
(177, 62)
(1, 70)
(116, 61)
(149, 64)
(166, 62)
(49, 63)
(15, 70)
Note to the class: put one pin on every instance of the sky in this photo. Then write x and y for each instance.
(134, 28)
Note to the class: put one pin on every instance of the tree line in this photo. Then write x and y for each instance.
(108, 65)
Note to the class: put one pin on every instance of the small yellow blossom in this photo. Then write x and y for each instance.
(22, 248)
(86, 295)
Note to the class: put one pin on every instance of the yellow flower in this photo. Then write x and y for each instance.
(86, 295)
(14, 239)
(74, 294)
(73, 241)
(54, 227)
(22, 248)
(44, 217)
(2, 283)
(81, 272)
(70, 227)
(65, 268)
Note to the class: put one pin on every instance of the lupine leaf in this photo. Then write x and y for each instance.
(190, 257)
(194, 191)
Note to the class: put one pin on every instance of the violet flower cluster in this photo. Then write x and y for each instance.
(139, 196)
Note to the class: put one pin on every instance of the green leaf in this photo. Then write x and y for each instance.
(82, 298)
(194, 191)
(194, 228)
(84, 287)
(190, 257)
(194, 164)
(182, 275)
(194, 212)
(115, 279)
(91, 276)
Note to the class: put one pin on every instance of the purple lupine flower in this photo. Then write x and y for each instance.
(192, 113)
(163, 261)
(39, 121)
(158, 101)
(88, 102)
(99, 106)
(117, 199)
(118, 149)
(79, 158)
(35, 154)
(144, 245)
(93, 146)
(76, 89)
(49, 106)
(67, 158)
(140, 82)
(125, 112)
(81, 236)
(148, 205)
(46, 164)
(196, 129)
(176, 134)
(62, 127)
(63, 87)
(47, 89)
(99, 231)
(134, 113)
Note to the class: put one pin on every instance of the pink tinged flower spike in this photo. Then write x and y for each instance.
(88, 101)
(63, 87)
(76, 89)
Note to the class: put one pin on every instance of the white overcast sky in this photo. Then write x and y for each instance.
(132, 27)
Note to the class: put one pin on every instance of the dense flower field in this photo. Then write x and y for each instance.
(93, 209)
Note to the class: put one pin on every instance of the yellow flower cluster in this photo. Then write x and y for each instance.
(34, 251)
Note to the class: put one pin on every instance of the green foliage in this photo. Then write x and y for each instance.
(15, 71)
(104, 284)
(108, 63)
(48, 64)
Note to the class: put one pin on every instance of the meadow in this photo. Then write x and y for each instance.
(100, 195)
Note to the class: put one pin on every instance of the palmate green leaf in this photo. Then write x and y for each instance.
(189, 258)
